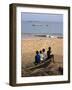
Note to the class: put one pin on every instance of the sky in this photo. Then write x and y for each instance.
(41, 23)
(41, 17)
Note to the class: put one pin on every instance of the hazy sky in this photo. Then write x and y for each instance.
(44, 23)
(41, 17)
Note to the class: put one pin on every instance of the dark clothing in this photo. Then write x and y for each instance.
(37, 58)
(48, 54)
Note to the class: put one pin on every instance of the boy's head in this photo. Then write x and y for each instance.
(40, 52)
(37, 52)
(49, 48)
(43, 50)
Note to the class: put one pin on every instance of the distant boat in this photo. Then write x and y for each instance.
(40, 35)
(47, 35)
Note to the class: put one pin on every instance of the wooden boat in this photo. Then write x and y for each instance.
(45, 63)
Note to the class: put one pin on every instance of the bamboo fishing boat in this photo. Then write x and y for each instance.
(45, 63)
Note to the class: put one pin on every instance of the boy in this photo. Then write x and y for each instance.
(37, 58)
(44, 54)
(41, 56)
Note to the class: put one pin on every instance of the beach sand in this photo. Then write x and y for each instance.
(29, 47)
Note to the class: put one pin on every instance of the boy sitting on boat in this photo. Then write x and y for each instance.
(44, 54)
(49, 54)
(37, 58)
(41, 56)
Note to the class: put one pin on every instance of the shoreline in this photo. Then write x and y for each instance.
(40, 38)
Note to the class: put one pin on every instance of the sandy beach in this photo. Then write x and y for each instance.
(30, 45)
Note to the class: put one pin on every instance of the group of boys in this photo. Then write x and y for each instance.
(42, 55)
